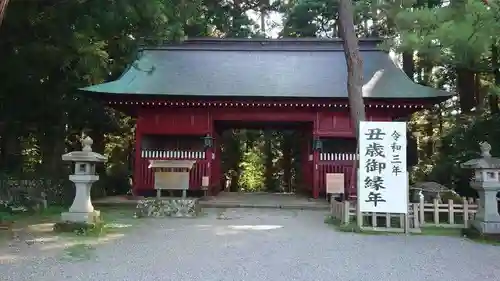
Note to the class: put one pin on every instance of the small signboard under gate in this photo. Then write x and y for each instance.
(334, 183)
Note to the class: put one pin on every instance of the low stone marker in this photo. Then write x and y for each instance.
(169, 207)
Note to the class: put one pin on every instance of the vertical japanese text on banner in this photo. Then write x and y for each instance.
(383, 179)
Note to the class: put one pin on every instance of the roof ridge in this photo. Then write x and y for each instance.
(263, 44)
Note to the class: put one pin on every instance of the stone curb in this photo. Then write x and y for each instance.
(205, 204)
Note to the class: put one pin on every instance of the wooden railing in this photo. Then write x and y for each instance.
(422, 214)
(345, 212)
(199, 170)
(172, 154)
(338, 156)
(449, 214)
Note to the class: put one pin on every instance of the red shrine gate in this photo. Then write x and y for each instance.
(179, 91)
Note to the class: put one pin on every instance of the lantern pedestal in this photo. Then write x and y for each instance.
(487, 219)
(82, 210)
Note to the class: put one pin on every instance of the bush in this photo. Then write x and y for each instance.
(8, 209)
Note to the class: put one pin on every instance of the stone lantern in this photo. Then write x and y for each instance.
(82, 211)
(486, 182)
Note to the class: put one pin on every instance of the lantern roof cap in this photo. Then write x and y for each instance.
(485, 162)
(86, 154)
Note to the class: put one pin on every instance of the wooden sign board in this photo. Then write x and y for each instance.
(205, 181)
(171, 180)
(334, 183)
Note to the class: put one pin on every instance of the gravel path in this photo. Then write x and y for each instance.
(256, 244)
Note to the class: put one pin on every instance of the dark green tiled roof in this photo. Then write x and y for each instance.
(261, 68)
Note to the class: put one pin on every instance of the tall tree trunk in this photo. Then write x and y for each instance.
(264, 4)
(409, 65)
(466, 89)
(3, 8)
(493, 98)
(354, 63)
(11, 158)
(429, 133)
(479, 94)
(52, 147)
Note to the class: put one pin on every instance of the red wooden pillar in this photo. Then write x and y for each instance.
(209, 152)
(138, 177)
(215, 180)
(306, 164)
(315, 164)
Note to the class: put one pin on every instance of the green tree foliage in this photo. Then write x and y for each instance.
(309, 18)
(457, 34)
(51, 48)
(253, 170)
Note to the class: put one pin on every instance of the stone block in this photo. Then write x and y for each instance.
(90, 217)
(180, 208)
(485, 227)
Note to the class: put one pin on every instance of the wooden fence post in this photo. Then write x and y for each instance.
(44, 199)
(346, 212)
(332, 206)
(416, 224)
(451, 214)
(421, 211)
(435, 205)
(466, 212)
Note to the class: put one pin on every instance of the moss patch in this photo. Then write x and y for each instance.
(441, 231)
(112, 220)
(80, 228)
(475, 235)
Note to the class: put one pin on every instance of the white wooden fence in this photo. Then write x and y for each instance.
(420, 214)
(176, 154)
(326, 156)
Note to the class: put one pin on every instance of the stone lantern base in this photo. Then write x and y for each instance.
(79, 222)
(486, 227)
(91, 217)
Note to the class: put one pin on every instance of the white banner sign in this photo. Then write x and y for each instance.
(382, 176)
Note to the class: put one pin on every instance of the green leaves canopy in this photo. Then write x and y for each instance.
(458, 34)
